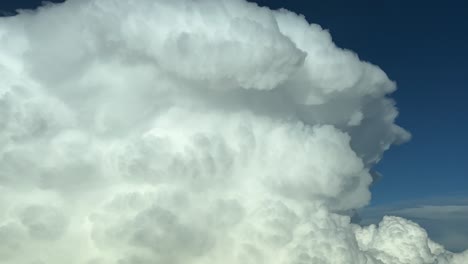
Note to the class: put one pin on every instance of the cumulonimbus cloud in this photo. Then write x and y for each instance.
(191, 132)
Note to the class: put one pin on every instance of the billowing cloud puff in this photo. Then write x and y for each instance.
(444, 218)
(191, 132)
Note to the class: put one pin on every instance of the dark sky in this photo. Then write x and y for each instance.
(423, 46)
(9, 6)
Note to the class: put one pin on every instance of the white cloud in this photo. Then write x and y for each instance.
(445, 221)
(191, 132)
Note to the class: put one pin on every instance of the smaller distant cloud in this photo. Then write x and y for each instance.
(444, 218)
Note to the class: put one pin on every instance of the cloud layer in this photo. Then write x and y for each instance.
(191, 132)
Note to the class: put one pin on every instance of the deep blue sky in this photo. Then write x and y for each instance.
(423, 46)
